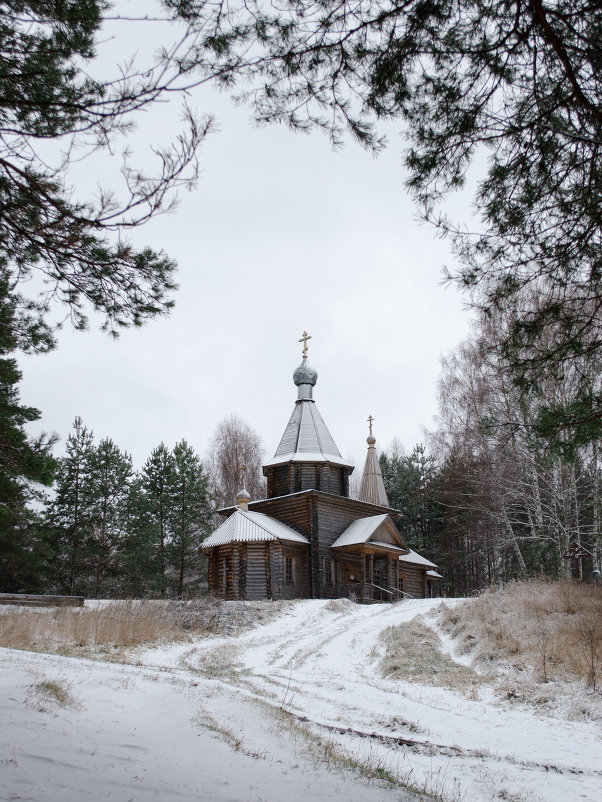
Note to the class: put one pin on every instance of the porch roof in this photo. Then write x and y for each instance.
(245, 527)
(416, 559)
(360, 533)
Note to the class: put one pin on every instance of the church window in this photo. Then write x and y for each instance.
(288, 570)
(328, 572)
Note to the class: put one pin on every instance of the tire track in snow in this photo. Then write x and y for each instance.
(317, 663)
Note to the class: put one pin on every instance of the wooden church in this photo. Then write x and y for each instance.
(308, 539)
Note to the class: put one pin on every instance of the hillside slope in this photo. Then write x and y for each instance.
(302, 707)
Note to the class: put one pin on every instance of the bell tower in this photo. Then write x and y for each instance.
(307, 457)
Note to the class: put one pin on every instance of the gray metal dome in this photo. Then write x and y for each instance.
(305, 374)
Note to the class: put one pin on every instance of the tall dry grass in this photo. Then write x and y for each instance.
(122, 624)
(553, 628)
(412, 652)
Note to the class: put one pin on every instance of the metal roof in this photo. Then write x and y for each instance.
(372, 487)
(433, 575)
(306, 439)
(359, 531)
(246, 527)
(362, 530)
(416, 559)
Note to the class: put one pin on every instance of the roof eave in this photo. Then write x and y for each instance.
(307, 456)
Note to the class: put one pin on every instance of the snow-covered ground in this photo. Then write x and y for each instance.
(293, 710)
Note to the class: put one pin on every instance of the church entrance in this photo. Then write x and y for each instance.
(380, 586)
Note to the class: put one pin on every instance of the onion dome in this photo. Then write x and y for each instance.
(242, 499)
(305, 378)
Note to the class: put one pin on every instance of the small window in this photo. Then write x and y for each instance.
(402, 583)
(288, 570)
(328, 572)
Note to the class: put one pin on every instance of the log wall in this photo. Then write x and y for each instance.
(414, 580)
(298, 477)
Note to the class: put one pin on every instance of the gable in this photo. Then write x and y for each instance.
(247, 527)
(376, 529)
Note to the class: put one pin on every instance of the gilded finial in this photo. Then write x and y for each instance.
(304, 338)
(370, 419)
(243, 497)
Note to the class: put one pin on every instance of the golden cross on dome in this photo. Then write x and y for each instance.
(304, 338)
(370, 419)
(243, 472)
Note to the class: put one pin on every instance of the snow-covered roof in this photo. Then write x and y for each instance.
(306, 439)
(245, 527)
(416, 559)
(361, 531)
(433, 575)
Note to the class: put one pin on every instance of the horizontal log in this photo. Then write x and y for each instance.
(33, 600)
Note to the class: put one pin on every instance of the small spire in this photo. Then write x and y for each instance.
(243, 497)
(304, 338)
(372, 487)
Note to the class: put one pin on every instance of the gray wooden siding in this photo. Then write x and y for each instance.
(297, 477)
(256, 571)
(414, 580)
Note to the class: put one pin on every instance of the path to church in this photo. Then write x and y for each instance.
(292, 711)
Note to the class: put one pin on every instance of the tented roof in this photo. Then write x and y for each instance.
(417, 559)
(372, 487)
(306, 438)
(245, 527)
(363, 529)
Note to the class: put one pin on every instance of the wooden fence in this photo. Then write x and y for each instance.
(41, 601)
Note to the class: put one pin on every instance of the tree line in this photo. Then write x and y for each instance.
(491, 497)
(107, 530)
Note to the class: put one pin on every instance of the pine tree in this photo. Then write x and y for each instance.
(107, 495)
(68, 517)
(156, 510)
(25, 465)
(192, 512)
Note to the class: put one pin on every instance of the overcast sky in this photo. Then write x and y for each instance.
(281, 234)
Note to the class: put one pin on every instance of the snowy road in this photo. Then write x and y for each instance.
(246, 718)
(319, 664)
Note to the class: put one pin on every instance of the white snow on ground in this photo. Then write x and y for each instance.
(204, 720)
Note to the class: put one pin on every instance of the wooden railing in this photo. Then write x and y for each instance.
(391, 591)
(32, 600)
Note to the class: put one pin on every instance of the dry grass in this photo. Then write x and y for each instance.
(363, 759)
(125, 624)
(48, 694)
(553, 630)
(412, 652)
